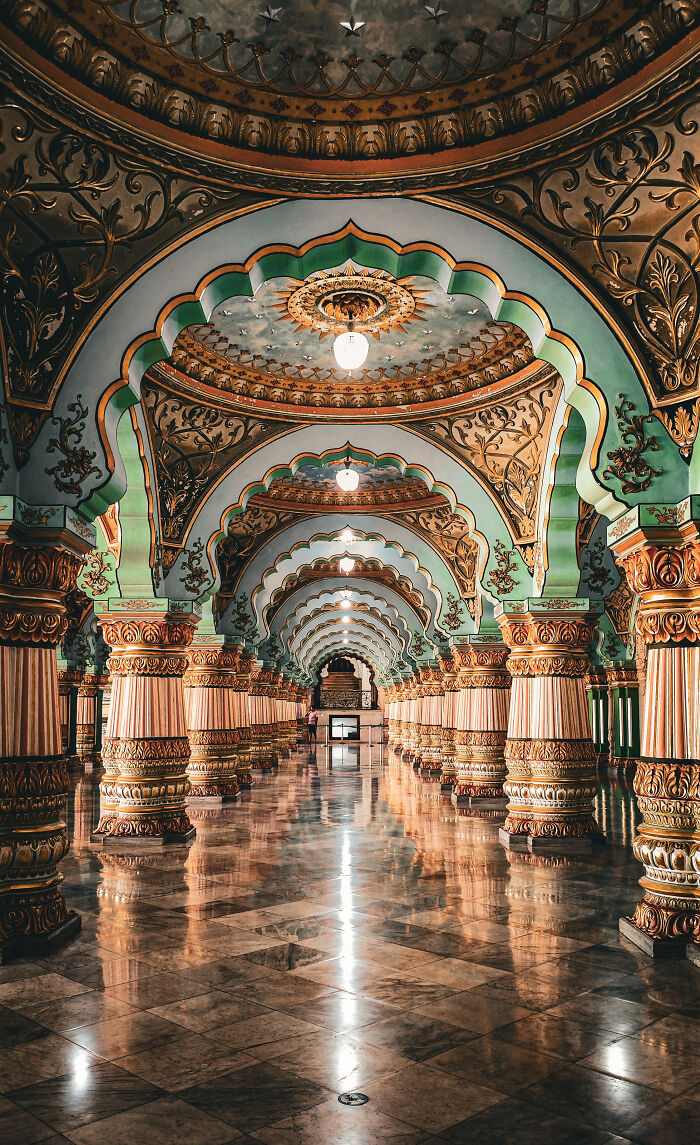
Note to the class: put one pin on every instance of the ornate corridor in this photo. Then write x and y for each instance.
(350, 364)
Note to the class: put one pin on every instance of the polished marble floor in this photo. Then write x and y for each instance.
(342, 928)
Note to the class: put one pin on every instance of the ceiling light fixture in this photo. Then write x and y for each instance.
(351, 348)
(347, 564)
(348, 479)
(346, 620)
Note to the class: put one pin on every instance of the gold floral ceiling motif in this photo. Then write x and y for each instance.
(372, 300)
(295, 86)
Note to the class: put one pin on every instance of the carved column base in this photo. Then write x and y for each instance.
(621, 765)
(655, 945)
(550, 787)
(143, 792)
(212, 767)
(243, 758)
(35, 923)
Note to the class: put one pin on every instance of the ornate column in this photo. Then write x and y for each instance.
(551, 781)
(448, 775)
(597, 696)
(146, 751)
(261, 720)
(210, 684)
(38, 566)
(431, 724)
(244, 748)
(659, 549)
(623, 718)
(68, 681)
(86, 716)
(279, 693)
(481, 767)
(415, 706)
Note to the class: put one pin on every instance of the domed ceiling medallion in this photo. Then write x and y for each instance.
(372, 300)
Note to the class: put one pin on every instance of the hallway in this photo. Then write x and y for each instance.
(344, 928)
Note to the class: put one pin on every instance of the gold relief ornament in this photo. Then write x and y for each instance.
(373, 300)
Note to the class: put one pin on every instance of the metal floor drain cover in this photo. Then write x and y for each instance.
(353, 1098)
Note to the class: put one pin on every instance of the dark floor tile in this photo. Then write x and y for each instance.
(342, 1012)
(413, 1035)
(15, 1028)
(255, 1096)
(595, 1098)
(287, 956)
(496, 1063)
(609, 1013)
(672, 1124)
(85, 1095)
(516, 1122)
(568, 1040)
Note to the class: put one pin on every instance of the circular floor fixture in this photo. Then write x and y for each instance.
(353, 1099)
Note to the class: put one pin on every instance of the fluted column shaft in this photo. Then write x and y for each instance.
(481, 766)
(210, 684)
(34, 780)
(146, 750)
(623, 716)
(597, 696)
(551, 781)
(662, 564)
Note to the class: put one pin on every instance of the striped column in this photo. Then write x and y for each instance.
(246, 667)
(68, 681)
(481, 768)
(415, 708)
(146, 750)
(431, 723)
(623, 716)
(262, 723)
(551, 781)
(448, 775)
(597, 696)
(34, 781)
(210, 684)
(86, 715)
(660, 554)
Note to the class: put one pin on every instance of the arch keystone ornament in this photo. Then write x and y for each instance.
(39, 565)
(659, 549)
(549, 753)
(146, 750)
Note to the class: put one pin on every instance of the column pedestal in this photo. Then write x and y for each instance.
(146, 751)
(209, 689)
(662, 565)
(551, 781)
(37, 568)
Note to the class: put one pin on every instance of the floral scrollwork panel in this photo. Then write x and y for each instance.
(503, 445)
(193, 444)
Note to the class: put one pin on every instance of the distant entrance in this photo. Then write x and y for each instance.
(345, 727)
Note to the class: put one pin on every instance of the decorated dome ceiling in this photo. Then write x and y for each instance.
(425, 345)
(315, 485)
(327, 85)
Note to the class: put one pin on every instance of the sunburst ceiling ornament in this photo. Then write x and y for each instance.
(372, 300)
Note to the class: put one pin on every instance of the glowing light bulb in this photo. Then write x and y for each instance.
(347, 537)
(351, 349)
(346, 620)
(346, 565)
(348, 479)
